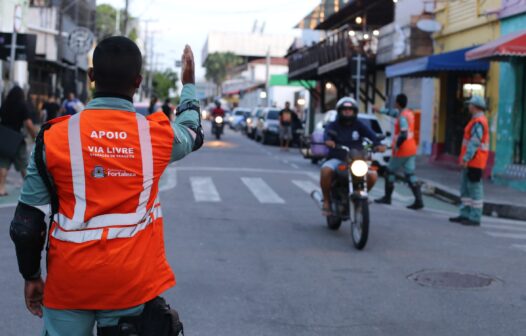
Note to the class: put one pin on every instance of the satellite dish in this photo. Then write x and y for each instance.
(428, 25)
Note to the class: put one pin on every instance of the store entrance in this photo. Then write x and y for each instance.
(519, 119)
(459, 90)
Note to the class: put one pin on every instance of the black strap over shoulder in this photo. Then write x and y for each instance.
(42, 169)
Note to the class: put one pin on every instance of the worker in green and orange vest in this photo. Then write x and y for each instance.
(473, 159)
(404, 152)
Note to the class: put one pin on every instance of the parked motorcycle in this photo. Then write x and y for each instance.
(349, 195)
(217, 127)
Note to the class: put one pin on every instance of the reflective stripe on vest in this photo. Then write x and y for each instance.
(92, 228)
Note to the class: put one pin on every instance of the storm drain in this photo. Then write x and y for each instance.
(446, 279)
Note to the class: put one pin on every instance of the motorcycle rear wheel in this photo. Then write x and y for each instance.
(334, 222)
(360, 223)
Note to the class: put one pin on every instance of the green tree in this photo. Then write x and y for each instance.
(218, 66)
(106, 19)
(163, 81)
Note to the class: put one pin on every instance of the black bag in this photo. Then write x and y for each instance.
(11, 141)
(157, 319)
(474, 174)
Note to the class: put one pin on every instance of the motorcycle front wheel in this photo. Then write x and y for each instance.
(360, 223)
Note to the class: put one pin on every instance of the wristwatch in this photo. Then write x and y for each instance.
(188, 106)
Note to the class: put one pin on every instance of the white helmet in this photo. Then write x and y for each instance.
(347, 102)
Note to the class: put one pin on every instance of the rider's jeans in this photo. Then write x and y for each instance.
(58, 322)
(332, 163)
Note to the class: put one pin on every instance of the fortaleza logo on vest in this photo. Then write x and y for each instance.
(99, 172)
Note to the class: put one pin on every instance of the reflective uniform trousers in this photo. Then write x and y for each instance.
(60, 322)
(408, 164)
(471, 194)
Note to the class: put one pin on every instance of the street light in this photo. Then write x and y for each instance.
(359, 20)
(262, 95)
(352, 33)
(301, 101)
(376, 32)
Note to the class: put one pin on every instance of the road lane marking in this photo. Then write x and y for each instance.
(204, 189)
(295, 166)
(507, 235)
(171, 179)
(241, 170)
(520, 247)
(504, 227)
(306, 185)
(262, 191)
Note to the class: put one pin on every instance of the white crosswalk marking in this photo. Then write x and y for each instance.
(520, 247)
(507, 235)
(306, 185)
(504, 227)
(262, 191)
(204, 189)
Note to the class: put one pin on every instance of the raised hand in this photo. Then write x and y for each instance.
(188, 66)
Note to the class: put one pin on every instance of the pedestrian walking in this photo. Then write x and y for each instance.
(105, 258)
(404, 152)
(72, 105)
(473, 159)
(14, 114)
(167, 109)
(286, 117)
(152, 108)
(50, 108)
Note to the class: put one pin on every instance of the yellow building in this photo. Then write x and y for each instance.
(465, 24)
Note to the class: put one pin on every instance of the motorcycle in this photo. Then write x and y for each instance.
(349, 197)
(217, 126)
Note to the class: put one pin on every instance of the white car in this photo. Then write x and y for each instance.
(379, 159)
(267, 128)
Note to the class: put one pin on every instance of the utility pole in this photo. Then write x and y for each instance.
(267, 77)
(17, 23)
(126, 17)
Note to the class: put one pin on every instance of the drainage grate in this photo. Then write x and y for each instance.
(446, 279)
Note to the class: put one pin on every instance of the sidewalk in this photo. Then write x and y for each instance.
(443, 180)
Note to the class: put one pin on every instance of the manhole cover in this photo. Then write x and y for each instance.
(445, 279)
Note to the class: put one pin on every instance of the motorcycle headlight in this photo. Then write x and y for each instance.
(249, 121)
(359, 168)
(219, 120)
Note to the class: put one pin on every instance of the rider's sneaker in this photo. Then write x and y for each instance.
(458, 219)
(383, 200)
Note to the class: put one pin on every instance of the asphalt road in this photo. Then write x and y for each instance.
(252, 256)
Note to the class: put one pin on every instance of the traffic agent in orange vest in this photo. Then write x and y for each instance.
(105, 241)
(473, 159)
(404, 150)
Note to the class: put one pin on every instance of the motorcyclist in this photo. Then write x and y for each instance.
(347, 130)
(218, 111)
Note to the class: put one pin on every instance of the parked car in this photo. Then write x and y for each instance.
(239, 116)
(252, 122)
(318, 152)
(267, 129)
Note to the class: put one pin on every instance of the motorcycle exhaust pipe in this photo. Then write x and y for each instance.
(317, 197)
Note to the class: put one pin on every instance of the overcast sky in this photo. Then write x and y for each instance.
(181, 22)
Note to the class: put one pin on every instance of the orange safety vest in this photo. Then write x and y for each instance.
(480, 158)
(106, 248)
(408, 147)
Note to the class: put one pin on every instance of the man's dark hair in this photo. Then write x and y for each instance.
(117, 61)
(401, 100)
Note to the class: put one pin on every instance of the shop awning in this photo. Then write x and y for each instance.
(510, 45)
(432, 66)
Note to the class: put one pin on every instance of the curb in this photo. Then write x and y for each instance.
(493, 209)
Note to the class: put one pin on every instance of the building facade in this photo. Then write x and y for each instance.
(510, 163)
(465, 25)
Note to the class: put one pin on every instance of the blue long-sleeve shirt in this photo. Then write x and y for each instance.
(34, 192)
(349, 135)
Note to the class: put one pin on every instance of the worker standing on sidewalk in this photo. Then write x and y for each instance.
(99, 170)
(473, 159)
(404, 152)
